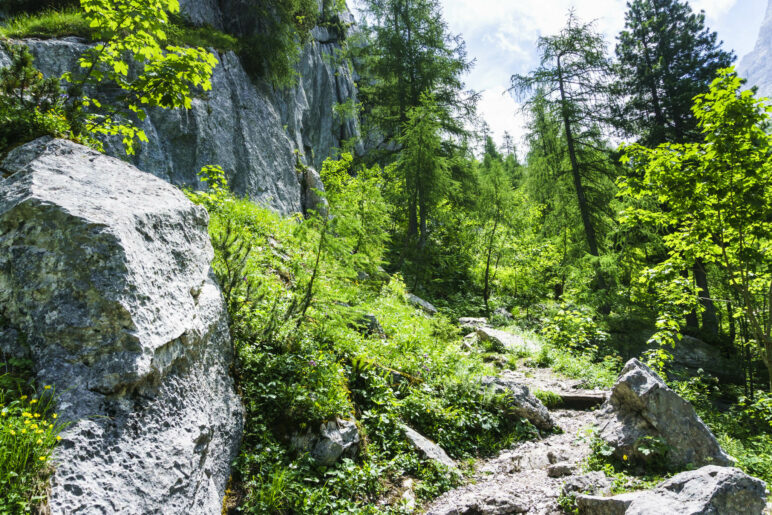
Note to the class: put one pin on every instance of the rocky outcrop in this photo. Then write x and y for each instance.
(642, 406)
(244, 125)
(692, 355)
(335, 439)
(757, 66)
(105, 273)
(709, 490)
(521, 402)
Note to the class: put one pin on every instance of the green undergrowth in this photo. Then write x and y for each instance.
(29, 432)
(297, 290)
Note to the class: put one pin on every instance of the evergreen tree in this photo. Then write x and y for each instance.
(409, 52)
(571, 83)
(422, 167)
(666, 56)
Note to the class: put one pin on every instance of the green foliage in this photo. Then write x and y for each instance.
(132, 36)
(14, 7)
(718, 208)
(28, 434)
(294, 295)
(573, 328)
(550, 399)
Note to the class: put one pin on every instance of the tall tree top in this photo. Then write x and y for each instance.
(667, 56)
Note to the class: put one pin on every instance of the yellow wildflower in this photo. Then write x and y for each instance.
(624, 457)
(23, 397)
(42, 458)
(48, 387)
(40, 440)
(34, 426)
(33, 401)
(53, 416)
(13, 433)
(24, 431)
(58, 438)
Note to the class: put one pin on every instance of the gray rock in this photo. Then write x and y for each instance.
(710, 490)
(370, 325)
(560, 470)
(106, 272)
(590, 483)
(694, 354)
(757, 66)
(641, 405)
(598, 505)
(335, 439)
(429, 449)
(472, 323)
(502, 341)
(489, 499)
(421, 303)
(521, 402)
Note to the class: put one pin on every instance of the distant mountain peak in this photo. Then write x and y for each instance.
(757, 66)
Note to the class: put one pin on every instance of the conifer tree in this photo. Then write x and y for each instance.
(666, 56)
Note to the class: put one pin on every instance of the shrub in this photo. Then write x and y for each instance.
(28, 435)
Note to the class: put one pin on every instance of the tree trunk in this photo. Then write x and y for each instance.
(486, 289)
(709, 320)
(584, 209)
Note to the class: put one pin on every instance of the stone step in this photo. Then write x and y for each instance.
(581, 400)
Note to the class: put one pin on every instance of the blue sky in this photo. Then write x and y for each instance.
(501, 35)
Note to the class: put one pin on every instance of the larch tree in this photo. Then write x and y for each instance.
(571, 85)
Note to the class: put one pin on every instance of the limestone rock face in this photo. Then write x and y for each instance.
(244, 125)
(641, 405)
(757, 66)
(522, 402)
(709, 490)
(105, 270)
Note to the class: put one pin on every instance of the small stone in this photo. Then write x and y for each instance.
(560, 470)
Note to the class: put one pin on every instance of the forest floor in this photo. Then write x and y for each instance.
(529, 477)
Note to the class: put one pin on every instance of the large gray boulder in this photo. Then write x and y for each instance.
(710, 490)
(422, 304)
(521, 402)
(105, 273)
(641, 405)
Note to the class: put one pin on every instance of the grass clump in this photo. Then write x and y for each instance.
(48, 24)
(29, 432)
